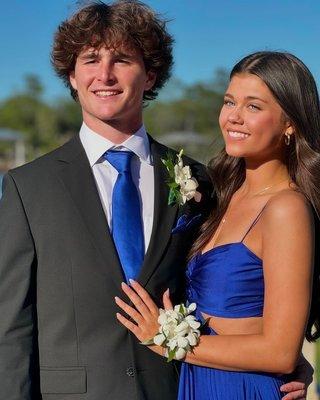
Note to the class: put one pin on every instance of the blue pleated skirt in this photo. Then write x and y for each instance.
(201, 383)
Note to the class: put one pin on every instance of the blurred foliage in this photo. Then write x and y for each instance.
(27, 113)
(179, 108)
(196, 109)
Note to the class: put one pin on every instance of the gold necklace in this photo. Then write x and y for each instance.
(253, 195)
(267, 188)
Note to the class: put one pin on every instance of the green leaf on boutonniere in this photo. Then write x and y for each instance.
(172, 196)
(169, 161)
(173, 185)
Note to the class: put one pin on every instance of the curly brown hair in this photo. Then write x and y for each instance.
(124, 23)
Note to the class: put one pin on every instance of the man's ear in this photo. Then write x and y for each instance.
(151, 79)
(73, 81)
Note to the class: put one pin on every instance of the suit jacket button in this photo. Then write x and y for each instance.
(130, 372)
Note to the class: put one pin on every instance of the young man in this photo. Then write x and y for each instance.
(80, 220)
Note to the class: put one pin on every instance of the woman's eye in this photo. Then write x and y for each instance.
(254, 107)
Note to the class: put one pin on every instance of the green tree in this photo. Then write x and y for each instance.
(195, 109)
(27, 113)
(69, 117)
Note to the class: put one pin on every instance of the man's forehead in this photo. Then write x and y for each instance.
(123, 48)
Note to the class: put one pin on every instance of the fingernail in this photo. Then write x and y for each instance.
(116, 298)
(132, 281)
(123, 284)
(167, 292)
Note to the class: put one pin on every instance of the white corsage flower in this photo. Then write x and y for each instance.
(178, 332)
(183, 187)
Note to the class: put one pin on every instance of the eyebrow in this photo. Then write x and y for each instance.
(123, 55)
(247, 97)
(95, 54)
(90, 54)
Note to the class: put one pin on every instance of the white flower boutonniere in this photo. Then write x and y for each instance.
(183, 186)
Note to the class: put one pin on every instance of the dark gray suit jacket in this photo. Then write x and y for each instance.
(59, 273)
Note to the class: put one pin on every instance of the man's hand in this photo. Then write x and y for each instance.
(302, 377)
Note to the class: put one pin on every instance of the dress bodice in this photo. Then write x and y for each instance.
(227, 281)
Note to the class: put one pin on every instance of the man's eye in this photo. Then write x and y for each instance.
(122, 61)
(228, 103)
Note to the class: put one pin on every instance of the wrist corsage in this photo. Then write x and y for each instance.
(178, 332)
(183, 186)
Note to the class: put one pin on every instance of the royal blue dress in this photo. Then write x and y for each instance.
(227, 281)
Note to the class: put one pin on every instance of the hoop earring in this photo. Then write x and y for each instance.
(287, 139)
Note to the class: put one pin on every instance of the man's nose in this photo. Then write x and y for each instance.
(105, 73)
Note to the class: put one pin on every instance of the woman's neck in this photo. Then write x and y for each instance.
(266, 175)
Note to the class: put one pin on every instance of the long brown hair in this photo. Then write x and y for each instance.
(295, 90)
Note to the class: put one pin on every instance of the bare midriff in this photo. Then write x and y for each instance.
(235, 326)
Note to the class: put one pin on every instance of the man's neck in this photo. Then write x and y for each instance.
(112, 131)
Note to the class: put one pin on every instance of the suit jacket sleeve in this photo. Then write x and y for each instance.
(18, 358)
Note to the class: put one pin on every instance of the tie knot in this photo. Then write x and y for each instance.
(120, 160)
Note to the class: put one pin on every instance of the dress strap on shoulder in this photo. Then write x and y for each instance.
(254, 222)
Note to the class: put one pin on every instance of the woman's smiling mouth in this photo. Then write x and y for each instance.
(237, 135)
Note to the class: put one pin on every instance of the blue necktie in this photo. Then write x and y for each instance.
(127, 230)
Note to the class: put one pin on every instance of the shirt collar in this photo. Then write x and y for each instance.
(96, 145)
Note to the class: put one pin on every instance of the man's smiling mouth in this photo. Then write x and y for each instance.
(106, 93)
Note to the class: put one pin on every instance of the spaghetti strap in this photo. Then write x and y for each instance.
(254, 222)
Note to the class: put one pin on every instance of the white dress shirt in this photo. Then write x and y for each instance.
(106, 175)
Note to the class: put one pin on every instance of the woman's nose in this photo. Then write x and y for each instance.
(236, 116)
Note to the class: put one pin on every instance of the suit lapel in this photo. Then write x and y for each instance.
(164, 215)
(78, 179)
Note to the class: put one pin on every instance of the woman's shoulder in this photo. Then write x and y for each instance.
(288, 205)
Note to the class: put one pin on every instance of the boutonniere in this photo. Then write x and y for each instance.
(183, 187)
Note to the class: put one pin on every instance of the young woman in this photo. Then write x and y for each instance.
(252, 269)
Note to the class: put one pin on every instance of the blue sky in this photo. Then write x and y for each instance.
(208, 34)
